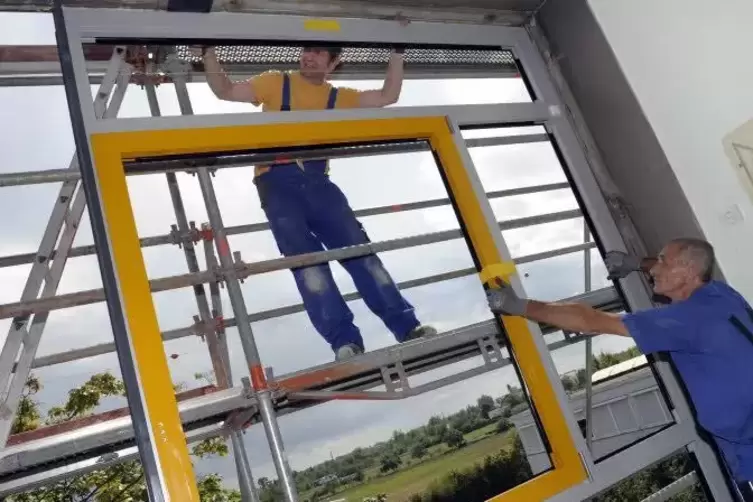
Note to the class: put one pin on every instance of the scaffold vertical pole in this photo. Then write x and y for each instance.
(588, 344)
(47, 269)
(258, 378)
(242, 465)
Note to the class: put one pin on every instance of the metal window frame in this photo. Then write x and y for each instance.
(89, 25)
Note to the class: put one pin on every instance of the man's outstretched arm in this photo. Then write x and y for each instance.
(575, 317)
(220, 83)
(390, 91)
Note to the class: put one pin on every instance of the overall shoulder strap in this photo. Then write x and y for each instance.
(332, 98)
(285, 107)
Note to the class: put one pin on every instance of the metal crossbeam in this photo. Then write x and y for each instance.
(26, 330)
(351, 378)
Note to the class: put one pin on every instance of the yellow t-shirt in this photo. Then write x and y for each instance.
(304, 95)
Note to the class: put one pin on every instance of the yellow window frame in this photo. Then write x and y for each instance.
(111, 149)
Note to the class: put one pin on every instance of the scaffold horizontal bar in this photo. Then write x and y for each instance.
(244, 270)
(152, 167)
(160, 240)
(357, 375)
(43, 476)
(174, 334)
(100, 437)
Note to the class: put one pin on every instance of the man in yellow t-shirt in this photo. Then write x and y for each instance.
(307, 212)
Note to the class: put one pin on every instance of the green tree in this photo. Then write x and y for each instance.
(28, 417)
(485, 405)
(390, 462)
(503, 425)
(123, 482)
(419, 450)
(455, 438)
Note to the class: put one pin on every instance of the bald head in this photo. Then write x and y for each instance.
(698, 254)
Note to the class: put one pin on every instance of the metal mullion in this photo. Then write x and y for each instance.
(245, 270)
(159, 240)
(175, 334)
(82, 119)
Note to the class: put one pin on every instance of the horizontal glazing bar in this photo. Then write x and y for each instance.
(487, 115)
(60, 175)
(159, 240)
(106, 348)
(247, 269)
(150, 166)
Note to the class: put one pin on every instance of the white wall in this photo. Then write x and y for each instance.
(690, 64)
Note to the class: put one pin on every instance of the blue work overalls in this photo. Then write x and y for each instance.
(306, 213)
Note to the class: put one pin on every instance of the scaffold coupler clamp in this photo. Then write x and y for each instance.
(238, 264)
(193, 235)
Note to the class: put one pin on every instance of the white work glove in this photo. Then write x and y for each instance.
(503, 300)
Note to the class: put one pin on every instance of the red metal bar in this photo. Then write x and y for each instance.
(49, 53)
(52, 430)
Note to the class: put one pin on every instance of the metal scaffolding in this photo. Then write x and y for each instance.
(52, 453)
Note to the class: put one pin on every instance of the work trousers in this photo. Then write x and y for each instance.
(308, 213)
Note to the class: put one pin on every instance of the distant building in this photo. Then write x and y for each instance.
(626, 407)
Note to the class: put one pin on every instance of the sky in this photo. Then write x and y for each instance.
(37, 136)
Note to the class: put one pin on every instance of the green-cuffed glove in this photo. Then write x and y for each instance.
(503, 300)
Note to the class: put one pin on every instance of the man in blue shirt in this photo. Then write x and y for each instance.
(707, 328)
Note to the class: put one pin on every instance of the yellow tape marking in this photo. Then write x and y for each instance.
(321, 25)
(497, 270)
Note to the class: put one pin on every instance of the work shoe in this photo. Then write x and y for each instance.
(420, 332)
(347, 351)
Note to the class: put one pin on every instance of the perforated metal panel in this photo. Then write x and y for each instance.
(363, 60)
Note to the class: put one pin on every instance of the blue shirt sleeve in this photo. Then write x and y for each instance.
(670, 328)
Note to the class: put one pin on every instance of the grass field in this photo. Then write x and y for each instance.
(417, 477)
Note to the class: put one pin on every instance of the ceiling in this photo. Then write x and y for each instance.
(501, 12)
